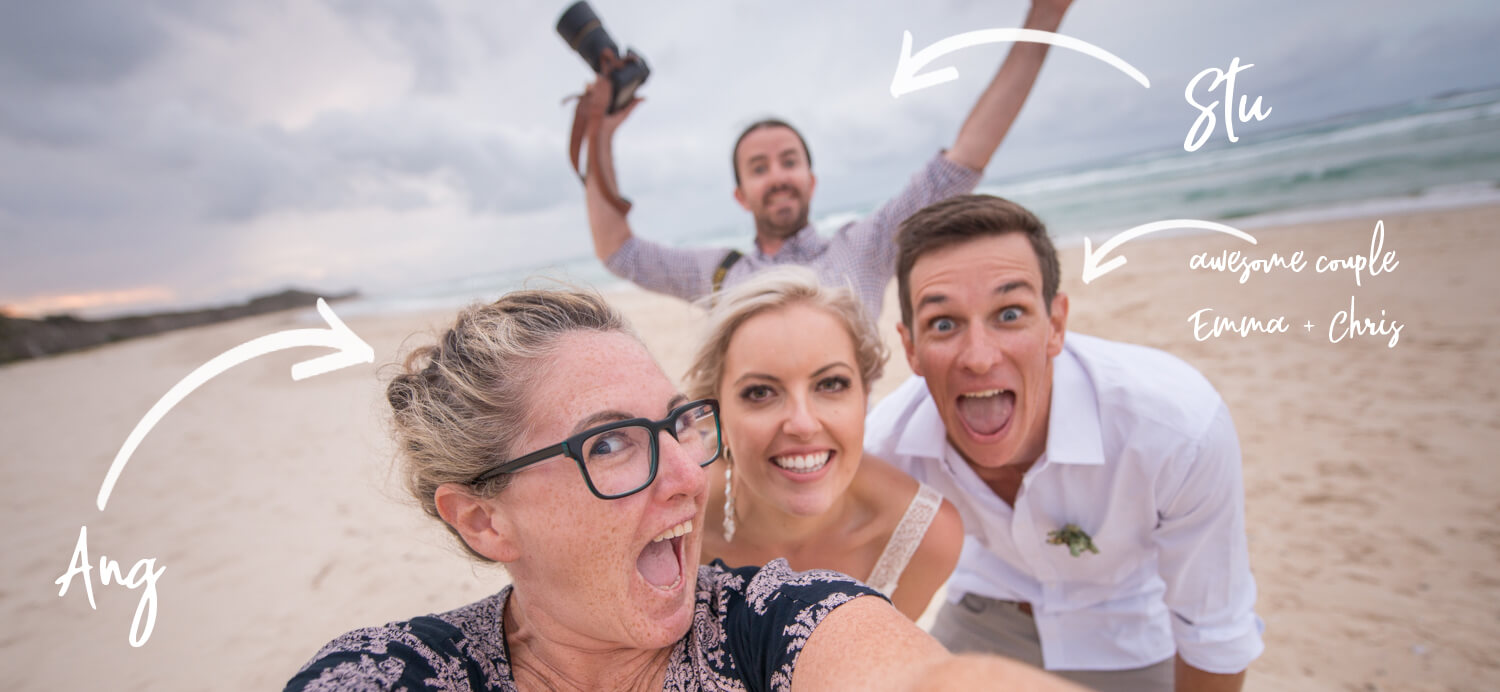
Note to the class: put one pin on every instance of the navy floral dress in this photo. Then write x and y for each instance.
(749, 625)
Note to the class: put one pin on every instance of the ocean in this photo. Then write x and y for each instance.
(1436, 152)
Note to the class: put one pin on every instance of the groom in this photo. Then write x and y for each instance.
(1099, 482)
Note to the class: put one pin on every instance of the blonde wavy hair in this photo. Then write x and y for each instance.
(776, 289)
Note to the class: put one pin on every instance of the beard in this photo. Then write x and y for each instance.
(782, 223)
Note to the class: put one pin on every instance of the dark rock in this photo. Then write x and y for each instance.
(22, 338)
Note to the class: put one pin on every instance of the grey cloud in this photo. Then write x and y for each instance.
(76, 41)
(49, 119)
(158, 208)
(518, 170)
(417, 27)
(170, 160)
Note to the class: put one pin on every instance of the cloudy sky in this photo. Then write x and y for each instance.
(186, 152)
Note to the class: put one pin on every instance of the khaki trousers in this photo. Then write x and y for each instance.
(984, 625)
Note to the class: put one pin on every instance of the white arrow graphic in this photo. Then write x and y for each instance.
(907, 80)
(1092, 269)
(350, 350)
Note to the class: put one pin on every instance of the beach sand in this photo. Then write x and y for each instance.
(1372, 491)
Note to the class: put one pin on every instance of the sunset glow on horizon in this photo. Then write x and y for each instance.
(37, 307)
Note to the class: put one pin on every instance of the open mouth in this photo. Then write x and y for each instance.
(988, 412)
(804, 463)
(660, 563)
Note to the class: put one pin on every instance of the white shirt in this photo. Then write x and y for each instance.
(1142, 455)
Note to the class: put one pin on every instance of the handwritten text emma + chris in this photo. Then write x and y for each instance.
(1346, 324)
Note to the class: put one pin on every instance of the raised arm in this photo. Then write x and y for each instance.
(868, 645)
(607, 223)
(1001, 101)
(677, 271)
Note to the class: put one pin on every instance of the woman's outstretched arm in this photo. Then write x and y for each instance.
(867, 644)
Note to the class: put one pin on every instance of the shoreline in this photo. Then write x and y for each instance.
(377, 304)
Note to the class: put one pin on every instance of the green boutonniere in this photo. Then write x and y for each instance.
(1075, 538)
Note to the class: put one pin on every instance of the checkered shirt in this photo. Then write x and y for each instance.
(861, 254)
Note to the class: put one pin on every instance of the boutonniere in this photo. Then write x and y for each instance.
(1075, 538)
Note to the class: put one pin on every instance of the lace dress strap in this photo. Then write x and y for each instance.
(905, 539)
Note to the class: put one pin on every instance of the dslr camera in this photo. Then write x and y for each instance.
(581, 28)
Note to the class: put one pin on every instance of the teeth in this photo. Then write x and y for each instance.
(805, 463)
(675, 531)
(984, 394)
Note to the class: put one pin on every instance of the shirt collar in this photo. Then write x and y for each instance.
(923, 435)
(803, 244)
(1073, 431)
(1073, 434)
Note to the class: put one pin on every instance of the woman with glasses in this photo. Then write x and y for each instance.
(791, 362)
(544, 436)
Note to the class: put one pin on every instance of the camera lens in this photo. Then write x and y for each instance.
(581, 28)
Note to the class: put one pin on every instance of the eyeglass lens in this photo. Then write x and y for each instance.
(619, 460)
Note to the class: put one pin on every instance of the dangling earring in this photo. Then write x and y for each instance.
(728, 503)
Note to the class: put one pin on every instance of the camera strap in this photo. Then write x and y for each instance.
(729, 259)
(588, 117)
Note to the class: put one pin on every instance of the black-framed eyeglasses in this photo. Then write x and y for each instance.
(619, 459)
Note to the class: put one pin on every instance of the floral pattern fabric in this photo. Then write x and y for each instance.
(749, 625)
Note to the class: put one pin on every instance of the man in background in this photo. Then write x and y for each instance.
(774, 182)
